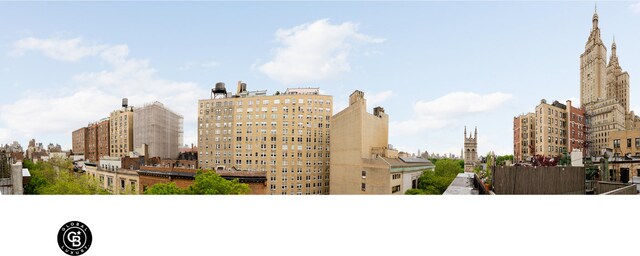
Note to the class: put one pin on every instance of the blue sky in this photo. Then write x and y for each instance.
(434, 66)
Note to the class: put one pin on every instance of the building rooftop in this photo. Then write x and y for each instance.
(407, 162)
(309, 90)
(466, 183)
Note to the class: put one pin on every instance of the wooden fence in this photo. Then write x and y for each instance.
(626, 190)
(606, 186)
(523, 180)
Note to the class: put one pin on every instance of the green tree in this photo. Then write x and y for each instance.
(205, 183)
(501, 160)
(210, 183)
(165, 189)
(73, 184)
(57, 178)
(448, 167)
(437, 181)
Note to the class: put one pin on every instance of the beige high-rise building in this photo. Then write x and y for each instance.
(604, 92)
(593, 63)
(605, 117)
(285, 134)
(159, 128)
(361, 160)
(121, 130)
(617, 80)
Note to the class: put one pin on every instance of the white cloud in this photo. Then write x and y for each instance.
(59, 49)
(4, 136)
(635, 8)
(440, 112)
(314, 51)
(99, 93)
(375, 99)
(46, 114)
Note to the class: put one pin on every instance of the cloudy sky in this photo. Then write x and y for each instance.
(434, 66)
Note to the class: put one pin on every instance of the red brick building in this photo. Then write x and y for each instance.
(79, 141)
(183, 177)
(97, 140)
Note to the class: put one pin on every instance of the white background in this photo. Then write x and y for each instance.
(325, 225)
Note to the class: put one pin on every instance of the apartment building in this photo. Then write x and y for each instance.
(550, 131)
(97, 140)
(78, 141)
(121, 130)
(524, 137)
(285, 135)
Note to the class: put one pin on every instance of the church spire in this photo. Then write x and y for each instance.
(595, 17)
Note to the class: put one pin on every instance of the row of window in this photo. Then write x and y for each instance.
(250, 102)
(616, 143)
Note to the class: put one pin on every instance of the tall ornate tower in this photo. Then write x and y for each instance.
(617, 80)
(470, 150)
(593, 67)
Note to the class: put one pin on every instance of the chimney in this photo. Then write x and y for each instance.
(378, 111)
(356, 96)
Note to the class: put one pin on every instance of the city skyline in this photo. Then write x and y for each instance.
(452, 64)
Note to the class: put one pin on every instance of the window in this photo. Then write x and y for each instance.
(364, 187)
(133, 187)
(628, 143)
(616, 143)
(364, 174)
(122, 184)
(395, 189)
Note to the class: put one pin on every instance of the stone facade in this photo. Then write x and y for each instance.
(361, 161)
(625, 142)
(116, 180)
(604, 92)
(470, 150)
(121, 131)
(285, 135)
(604, 117)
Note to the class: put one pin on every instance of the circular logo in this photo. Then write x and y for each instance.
(74, 238)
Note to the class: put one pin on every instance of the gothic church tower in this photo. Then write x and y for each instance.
(470, 150)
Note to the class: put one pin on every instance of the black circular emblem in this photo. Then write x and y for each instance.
(74, 238)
